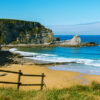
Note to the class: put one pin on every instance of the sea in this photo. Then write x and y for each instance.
(84, 60)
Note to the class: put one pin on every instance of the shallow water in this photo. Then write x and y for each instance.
(86, 59)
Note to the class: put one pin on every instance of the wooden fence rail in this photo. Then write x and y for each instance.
(18, 83)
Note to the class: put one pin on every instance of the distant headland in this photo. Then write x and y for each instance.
(17, 33)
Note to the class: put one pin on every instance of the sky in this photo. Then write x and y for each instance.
(52, 12)
(79, 29)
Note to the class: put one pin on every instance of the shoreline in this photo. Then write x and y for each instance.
(25, 57)
(49, 45)
(54, 78)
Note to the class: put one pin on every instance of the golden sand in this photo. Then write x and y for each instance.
(53, 79)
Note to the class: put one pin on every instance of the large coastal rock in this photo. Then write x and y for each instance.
(24, 32)
(76, 40)
(0, 47)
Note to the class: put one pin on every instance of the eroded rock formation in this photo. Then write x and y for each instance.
(76, 40)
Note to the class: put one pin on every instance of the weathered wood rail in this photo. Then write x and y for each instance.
(18, 83)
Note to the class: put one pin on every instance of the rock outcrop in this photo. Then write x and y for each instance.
(89, 44)
(24, 32)
(76, 40)
(0, 47)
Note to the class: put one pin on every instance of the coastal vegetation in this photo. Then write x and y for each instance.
(79, 92)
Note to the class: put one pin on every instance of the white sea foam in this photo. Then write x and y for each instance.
(55, 58)
(14, 50)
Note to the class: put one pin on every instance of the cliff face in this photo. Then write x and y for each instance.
(24, 32)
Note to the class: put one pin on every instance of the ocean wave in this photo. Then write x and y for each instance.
(55, 58)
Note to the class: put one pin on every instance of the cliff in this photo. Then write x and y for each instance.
(24, 32)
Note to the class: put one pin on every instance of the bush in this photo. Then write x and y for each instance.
(14, 42)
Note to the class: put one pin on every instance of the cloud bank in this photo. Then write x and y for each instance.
(81, 29)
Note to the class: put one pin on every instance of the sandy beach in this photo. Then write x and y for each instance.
(53, 79)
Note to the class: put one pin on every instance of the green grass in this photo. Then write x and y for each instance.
(79, 92)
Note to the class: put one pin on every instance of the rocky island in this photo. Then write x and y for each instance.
(17, 33)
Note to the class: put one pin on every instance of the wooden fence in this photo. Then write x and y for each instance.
(18, 83)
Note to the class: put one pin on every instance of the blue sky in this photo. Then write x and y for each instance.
(56, 13)
(52, 12)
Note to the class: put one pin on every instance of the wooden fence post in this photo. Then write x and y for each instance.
(18, 83)
(42, 81)
(19, 77)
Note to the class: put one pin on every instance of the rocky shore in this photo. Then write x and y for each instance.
(8, 58)
(74, 42)
(50, 45)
